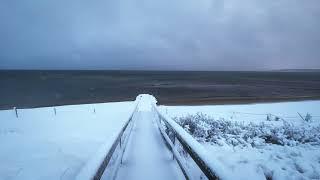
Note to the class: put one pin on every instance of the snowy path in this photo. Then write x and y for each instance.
(147, 156)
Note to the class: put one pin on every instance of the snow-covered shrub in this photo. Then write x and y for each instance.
(308, 117)
(269, 117)
(220, 131)
(276, 118)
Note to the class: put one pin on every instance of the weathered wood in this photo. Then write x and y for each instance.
(109, 155)
(209, 173)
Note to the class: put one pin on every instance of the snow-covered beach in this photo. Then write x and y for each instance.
(41, 145)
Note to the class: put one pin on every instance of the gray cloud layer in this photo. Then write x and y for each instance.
(162, 34)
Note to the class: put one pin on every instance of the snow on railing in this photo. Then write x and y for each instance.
(96, 167)
(211, 168)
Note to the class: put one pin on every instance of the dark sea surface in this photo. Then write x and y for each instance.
(25, 89)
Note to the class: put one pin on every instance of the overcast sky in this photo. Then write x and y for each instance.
(160, 34)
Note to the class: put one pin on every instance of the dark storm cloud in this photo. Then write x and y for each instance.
(166, 34)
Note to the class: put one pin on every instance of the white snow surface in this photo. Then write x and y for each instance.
(293, 161)
(70, 142)
(250, 112)
(40, 145)
(147, 156)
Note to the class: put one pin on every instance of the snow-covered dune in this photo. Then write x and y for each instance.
(40, 144)
(257, 141)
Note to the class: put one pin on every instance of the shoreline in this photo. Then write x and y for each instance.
(194, 102)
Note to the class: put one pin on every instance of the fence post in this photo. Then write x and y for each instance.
(16, 111)
(55, 111)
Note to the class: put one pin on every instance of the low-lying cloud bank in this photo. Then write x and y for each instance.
(179, 34)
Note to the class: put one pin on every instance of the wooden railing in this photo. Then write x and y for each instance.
(95, 169)
(171, 133)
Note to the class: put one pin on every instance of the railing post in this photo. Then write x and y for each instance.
(120, 143)
(173, 142)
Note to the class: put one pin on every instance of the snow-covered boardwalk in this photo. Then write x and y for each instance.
(147, 156)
